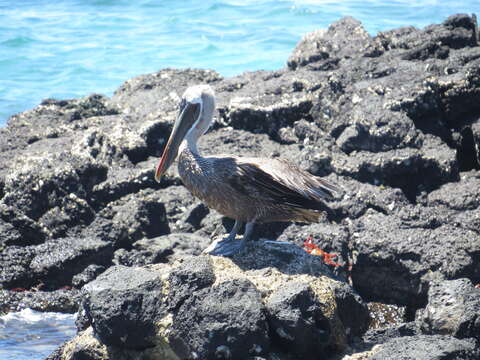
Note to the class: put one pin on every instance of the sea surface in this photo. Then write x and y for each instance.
(65, 48)
(31, 335)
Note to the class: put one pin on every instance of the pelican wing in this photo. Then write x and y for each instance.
(281, 182)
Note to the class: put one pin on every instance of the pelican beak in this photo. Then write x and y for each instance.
(189, 113)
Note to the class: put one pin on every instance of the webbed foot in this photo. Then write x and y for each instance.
(225, 247)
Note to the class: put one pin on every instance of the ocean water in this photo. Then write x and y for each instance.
(70, 48)
(31, 335)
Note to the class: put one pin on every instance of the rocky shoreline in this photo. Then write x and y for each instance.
(393, 119)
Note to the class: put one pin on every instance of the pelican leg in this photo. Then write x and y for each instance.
(227, 246)
(231, 246)
(248, 231)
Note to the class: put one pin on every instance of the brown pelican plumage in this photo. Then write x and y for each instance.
(248, 190)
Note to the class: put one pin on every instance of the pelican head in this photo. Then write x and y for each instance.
(194, 119)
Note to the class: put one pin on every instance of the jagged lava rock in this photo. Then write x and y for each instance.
(424, 347)
(453, 308)
(276, 298)
(395, 256)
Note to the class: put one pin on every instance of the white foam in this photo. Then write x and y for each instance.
(31, 316)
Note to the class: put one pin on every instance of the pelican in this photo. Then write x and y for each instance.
(248, 190)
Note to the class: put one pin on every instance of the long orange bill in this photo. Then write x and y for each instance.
(184, 123)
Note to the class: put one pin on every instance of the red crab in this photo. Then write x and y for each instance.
(313, 249)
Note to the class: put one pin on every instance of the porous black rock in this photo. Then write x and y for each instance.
(213, 307)
(396, 255)
(323, 50)
(62, 300)
(297, 323)
(123, 304)
(383, 334)
(453, 309)
(427, 347)
(162, 249)
(222, 322)
(192, 275)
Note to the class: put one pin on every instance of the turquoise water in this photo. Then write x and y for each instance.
(67, 49)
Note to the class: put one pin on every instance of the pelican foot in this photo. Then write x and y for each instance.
(225, 247)
(276, 242)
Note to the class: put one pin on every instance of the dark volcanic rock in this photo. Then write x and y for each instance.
(296, 321)
(15, 269)
(383, 334)
(395, 255)
(87, 275)
(150, 96)
(53, 264)
(352, 310)
(51, 119)
(423, 347)
(323, 50)
(18, 229)
(63, 300)
(123, 305)
(213, 307)
(57, 261)
(462, 195)
(192, 275)
(233, 317)
(161, 249)
(39, 184)
(453, 308)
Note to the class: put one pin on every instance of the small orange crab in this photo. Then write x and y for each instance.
(313, 249)
(18, 289)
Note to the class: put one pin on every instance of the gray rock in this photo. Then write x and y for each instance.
(149, 97)
(214, 307)
(344, 39)
(56, 261)
(88, 274)
(62, 300)
(386, 333)
(123, 304)
(453, 309)
(123, 181)
(162, 249)
(18, 229)
(193, 216)
(352, 310)
(15, 269)
(409, 169)
(393, 260)
(53, 118)
(462, 195)
(424, 347)
(192, 275)
(38, 184)
(128, 219)
(231, 314)
(297, 322)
